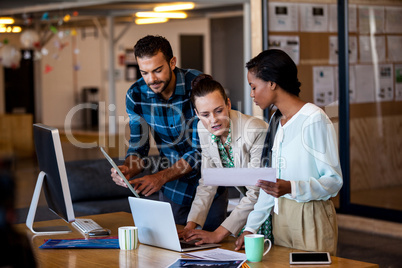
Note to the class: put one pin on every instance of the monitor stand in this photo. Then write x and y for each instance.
(32, 211)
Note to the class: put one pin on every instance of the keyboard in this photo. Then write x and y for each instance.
(86, 225)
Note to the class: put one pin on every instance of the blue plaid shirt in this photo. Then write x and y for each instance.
(173, 124)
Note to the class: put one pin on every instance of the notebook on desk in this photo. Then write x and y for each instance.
(156, 226)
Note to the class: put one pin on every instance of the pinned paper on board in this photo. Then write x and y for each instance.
(371, 19)
(385, 87)
(393, 19)
(333, 18)
(283, 17)
(394, 45)
(372, 48)
(352, 84)
(324, 85)
(334, 53)
(289, 44)
(365, 84)
(313, 17)
(398, 82)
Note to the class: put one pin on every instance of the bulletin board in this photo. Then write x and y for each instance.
(308, 32)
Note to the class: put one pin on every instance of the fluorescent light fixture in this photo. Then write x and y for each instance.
(4, 20)
(182, 6)
(150, 20)
(170, 15)
(9, 29)
(16, 29)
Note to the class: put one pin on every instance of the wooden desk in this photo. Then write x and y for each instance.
(144, 256)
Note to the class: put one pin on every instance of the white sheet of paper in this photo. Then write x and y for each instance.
(393, 19)
(237, 176)
(371, 19)
(365, 84)
(352, 84)
(324, 85)
(394, 44)
(283, 17)
(398, 82)
(289, 44)
(333, 18)
(372, 49)
(218, 254)
(313, 17)
(385, 89)
(333, 49)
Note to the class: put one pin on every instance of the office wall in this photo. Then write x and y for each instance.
(172, 31)
(227, 57)
(13, 39)
(75, 62)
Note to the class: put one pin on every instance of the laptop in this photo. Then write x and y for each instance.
(156, 226)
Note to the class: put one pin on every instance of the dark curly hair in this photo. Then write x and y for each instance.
(204, 84)
(276, 66)
(150, 45)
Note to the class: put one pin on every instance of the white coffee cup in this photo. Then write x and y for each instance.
(128, 237)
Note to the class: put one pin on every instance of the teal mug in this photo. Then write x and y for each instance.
(254, 244)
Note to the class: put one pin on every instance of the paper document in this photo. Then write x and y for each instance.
(237, 176)
(218, 254)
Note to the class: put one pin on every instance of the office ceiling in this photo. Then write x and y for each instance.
(28, 11)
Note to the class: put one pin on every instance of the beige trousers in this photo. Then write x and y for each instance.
(309, 226)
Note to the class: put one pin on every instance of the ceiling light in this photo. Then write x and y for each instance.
(150, 20)
(170, 15)
(4, 20)
(16, 29)
(182, 6)
(9, 29)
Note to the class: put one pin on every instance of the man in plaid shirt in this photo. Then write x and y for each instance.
(160, 103)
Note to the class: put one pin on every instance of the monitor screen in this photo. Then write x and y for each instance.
(52, 177)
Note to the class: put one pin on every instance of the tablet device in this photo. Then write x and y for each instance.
(310, 258)
(119, 172)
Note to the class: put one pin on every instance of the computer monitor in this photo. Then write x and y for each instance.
(52, 178)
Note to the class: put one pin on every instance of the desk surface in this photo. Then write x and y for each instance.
(144, 256)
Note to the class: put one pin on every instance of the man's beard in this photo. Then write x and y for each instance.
(165, 83)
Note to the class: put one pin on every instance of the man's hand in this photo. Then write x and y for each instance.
(146, 185)
(240, 241)
(281, 187)
(149, 184)
(117, 179)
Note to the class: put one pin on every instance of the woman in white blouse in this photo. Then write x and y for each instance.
(305, 154)
(228, 139)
